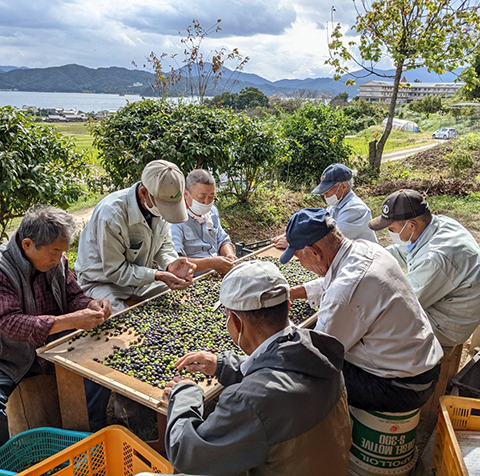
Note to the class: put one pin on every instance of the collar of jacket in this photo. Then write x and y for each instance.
(423, 241)
(13, 256)
(19, 271)
(344, 249)
(345, 199)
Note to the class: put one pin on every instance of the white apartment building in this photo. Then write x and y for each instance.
(382, 90)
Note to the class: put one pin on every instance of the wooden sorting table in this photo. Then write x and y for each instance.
(73, 366)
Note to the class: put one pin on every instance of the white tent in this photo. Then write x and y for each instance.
(403, 125)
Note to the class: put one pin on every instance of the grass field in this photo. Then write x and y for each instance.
(79, 132)
(397, 140)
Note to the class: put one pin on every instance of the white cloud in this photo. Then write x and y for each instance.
(283, 39)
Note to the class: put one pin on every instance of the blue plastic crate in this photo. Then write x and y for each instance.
(32, 446)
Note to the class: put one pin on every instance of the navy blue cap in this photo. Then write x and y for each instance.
(333, 174)
(305, 228)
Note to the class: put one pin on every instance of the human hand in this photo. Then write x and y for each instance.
(298, 292)
(204, 362)
(103, 305)
(182, 268)
(172, 281)
(172, 383)
(221, 264)
(280, 242)
(231, 257)
(86, 318)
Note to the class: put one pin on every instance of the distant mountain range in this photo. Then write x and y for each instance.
(6, 69)
(113, 80)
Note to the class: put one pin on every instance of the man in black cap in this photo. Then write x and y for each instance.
(442, 260)
(392, 355)
(348, 210)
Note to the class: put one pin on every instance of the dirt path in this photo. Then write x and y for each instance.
(404, 153)
(81, 217)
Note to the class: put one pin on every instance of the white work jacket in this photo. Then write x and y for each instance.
(365, 301)
(352, 217)
(117, 245)
(444, 271)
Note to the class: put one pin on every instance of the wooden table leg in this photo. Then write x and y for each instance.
(73, 402)
(159, 445)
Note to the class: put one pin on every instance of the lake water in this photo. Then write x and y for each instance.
(82, 102)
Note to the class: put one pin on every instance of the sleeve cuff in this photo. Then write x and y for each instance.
(42, 330)
(314, 290)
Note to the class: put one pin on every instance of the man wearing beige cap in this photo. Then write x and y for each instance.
(126, 250)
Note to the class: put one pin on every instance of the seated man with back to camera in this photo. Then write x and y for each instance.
(39, 299)
(201, 238)
(284, 407)
(392, 357)
(350, 213)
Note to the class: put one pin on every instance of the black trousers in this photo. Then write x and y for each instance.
(369, 392)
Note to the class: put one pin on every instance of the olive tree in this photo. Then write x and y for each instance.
(189, 135)
(315, 135)
(254, 156)
(37, 166)
(440, 35)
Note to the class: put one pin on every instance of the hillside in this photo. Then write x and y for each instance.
(114, 80)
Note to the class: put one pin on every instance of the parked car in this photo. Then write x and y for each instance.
(444, 133)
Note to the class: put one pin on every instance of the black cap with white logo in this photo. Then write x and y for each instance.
(400, 205)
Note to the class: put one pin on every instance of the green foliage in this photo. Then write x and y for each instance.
(191, 136)
(440, 36)
(37, 166)
(226, 99)
(417, 33)
(255, 153)
(188, 135)
(363, 114)
(461, 156)
(315, 135)
(472, 78)
(427, 105)
(249, 97)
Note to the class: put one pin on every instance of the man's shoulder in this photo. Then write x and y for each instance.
(112, 206)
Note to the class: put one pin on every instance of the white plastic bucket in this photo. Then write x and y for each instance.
(383, 443)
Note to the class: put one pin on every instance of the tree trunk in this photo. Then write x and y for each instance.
(375, 153)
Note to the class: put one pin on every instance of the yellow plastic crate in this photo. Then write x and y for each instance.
(113, 451)
(456, 413)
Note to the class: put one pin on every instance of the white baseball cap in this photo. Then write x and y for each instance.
(166, 183)
(253, 285)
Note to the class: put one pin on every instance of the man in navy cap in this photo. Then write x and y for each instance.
(392, 355)
(350, 213)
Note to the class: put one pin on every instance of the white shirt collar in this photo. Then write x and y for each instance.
(248, 362)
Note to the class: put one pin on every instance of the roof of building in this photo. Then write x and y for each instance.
(413, 84)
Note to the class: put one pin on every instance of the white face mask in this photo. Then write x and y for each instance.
(333, 200)
(395, 237)
(152, 210)
(237, 344)
(200, 208)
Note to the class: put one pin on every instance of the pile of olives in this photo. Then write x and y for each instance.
(161, 331)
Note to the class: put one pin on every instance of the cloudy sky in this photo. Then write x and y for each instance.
(283, 38)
